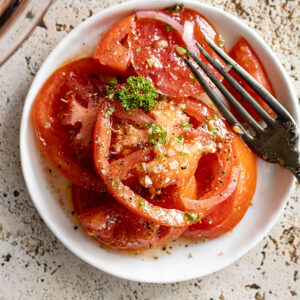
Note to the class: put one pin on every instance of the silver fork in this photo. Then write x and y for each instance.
(275, 143)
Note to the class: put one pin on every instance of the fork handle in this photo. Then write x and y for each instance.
(294, 165)
(296, 172)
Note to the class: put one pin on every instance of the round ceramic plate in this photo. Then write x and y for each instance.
(180, 260)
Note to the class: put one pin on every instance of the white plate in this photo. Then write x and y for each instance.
(273, 187)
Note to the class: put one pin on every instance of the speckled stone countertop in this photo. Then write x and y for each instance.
(35, 265)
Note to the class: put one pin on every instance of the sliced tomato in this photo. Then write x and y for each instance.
(229, 213)
(154, 47)
(244, 55)
(166, 212)
(122, 193)
(217, 179)
(64, 114)
(116, 227)
(223, 184)
(111, 51)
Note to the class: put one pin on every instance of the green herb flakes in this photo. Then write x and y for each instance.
(199, 217)
(180, 50)
(141, 202)
(109, 92)
(113, 82)
(186, 126)
(138, 93)
(116, 184)
(47, 125)
(144, 167)
(169, 27)
(190, 217)
(110, 111)
(192, 77)
(221, 42)
(158, 135)
(176, 8)
(213, 131)
(178, 139)
(184, 152)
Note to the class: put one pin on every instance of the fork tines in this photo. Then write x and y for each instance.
(262, 92)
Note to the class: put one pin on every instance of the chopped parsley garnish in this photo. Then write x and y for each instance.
(110, 111)
(166, 155)
(144, 167)
(176, 8)
(178, 139)
(189, 217)
(192, 77)
(158, 135)
(199, 217)
(220, 42)
(134, 36)
(109, 92)
(180, 50)
(184, 152)
(113, 82)
(186, 126)
(192, 217)
(116, 184)
(138, 49)
(141, 202)
(169, 27)
(138, 93)
(214, 116)
(47, 125)
(212, 130)
(109, 89)
(204, 239)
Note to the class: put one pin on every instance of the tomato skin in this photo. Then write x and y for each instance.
(229, 213)
(54, 136)
(122, 193)
(154, 53)
(244, 55)
(110, 52)
(111, 224)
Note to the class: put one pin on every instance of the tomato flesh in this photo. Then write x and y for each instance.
(134, 201)
(113, 225)
(230, 212)
(154, 53)
(110, 51)
(244, 55)
(63, 138)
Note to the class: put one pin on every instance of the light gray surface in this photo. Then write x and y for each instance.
(35, 265)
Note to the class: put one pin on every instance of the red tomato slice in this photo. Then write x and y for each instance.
(122, 193)
(113, 225)
(64, 114)
(221, 172)
(244, 55)
(229, 213)
(110, 50)
(154, 53)
(168, 216)
(221, 187)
